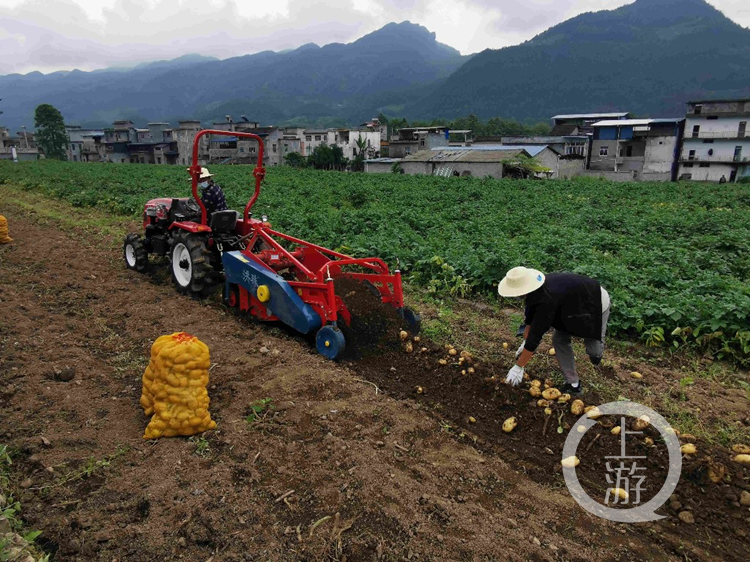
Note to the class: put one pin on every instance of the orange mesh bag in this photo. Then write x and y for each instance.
(174, 387)
(4, 234)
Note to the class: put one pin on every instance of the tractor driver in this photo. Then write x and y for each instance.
(211, 193)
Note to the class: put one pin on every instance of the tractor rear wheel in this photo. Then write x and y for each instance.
(191, 265)
(135, 253)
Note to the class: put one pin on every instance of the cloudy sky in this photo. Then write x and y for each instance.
(50, 35)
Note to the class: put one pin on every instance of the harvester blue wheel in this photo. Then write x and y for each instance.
(413, 320)
(330, 342)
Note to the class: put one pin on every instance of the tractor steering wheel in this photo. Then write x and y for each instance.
(192, 206)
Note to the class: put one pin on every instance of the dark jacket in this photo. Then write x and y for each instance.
(213, 198)
(568, 302)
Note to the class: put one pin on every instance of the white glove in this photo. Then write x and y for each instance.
(520, 349)
(515, 376)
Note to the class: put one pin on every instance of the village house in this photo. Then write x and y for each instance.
(636, 149)
(85, 144)
(411, 140)
(717, 141)
(461, 161)
(23, 145)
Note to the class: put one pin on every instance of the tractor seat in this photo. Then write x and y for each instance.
(223, 222)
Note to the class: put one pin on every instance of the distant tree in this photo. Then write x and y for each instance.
(51, 135)
(326, 157)
(358, 164)
(295, 160)
(396, 168)
(523, 167)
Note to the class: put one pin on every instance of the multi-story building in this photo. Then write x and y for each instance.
(117, 139)
(717, 141)
(83, 143)
(637, 149)
(185, 136)
(23, 146)
(411, 140)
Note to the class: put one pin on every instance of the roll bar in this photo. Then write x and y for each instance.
(195, 170)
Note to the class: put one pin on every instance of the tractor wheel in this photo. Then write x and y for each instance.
(135, 253)
(330, 342)
(191, 265)
(413, 320)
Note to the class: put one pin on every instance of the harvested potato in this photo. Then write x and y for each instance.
(648, 442)
(742, 459)
(472, 419)
(636, 375)
(741, 449)
(564, 399)
(548, 411)
(576, 408)
(716, 471)
(443, 362)
(470, 370)
(672, 431)
(688, 437)
(570, 462)
(548, 383)
(593, 412)
(404, 335)
(505, 345)
(551, 394)
(466, 355)
(542, 403)
(616, 430)
(463, 372)
(535, 392)
(452, 351)
(417, 339)
(581, 428)
(420, 390)
(688, 449)
(619, 492)
(461, 361)
(536, 383)
(509, 425)
(641, 423)
(423, 350)
(448, 346)
(409, 347)
(552, 351)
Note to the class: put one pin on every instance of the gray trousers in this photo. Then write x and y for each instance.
(594, 348)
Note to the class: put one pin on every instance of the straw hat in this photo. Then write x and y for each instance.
(520, 281)
(205, 174)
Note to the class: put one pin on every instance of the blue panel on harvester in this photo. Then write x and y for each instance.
(285, 303)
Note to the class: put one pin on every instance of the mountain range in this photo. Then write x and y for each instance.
(649, 58)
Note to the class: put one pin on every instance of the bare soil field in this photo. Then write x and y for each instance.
(368, 459)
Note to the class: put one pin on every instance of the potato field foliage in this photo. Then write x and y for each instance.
(675, 257)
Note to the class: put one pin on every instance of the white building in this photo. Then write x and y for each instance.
(717, 141)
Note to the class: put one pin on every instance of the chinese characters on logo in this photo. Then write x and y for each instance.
(625, 475)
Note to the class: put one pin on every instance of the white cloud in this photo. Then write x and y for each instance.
(88, 34)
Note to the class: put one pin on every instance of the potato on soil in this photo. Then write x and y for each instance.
(548, 383)
(409, 347)
(716, 471)
(535, 392)
(581, 428)
(688, 437)
(619, 492)
(551, 394)
(577, 407)
(452, 351)
(742, 459)
(548, 411)
(472, 419)
(564, 399)
(570, 462)
(470, 370)
(648, 442)
(552, 351)
(463, 372)
(509, 425)
(641, 423)
(537, 383)
(505, 345)
(423, 350)
(466, 355)
(443, 362)
(417, 339)
(616, 430)
(593, 412)
(636, 375)
(404, 335)
(420, 390)
(688, 449)
(542, 403)
(448, 346)
(741, 449)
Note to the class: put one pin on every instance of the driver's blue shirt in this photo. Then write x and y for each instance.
(213, 198)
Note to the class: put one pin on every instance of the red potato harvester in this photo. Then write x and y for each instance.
(268, 274)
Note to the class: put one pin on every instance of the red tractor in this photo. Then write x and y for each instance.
(267, 274)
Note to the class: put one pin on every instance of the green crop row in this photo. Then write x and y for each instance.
(674, 256)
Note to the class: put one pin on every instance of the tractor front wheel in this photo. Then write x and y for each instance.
(191, 265)
(135, 253)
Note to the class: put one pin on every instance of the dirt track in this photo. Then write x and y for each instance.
(402, 488)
